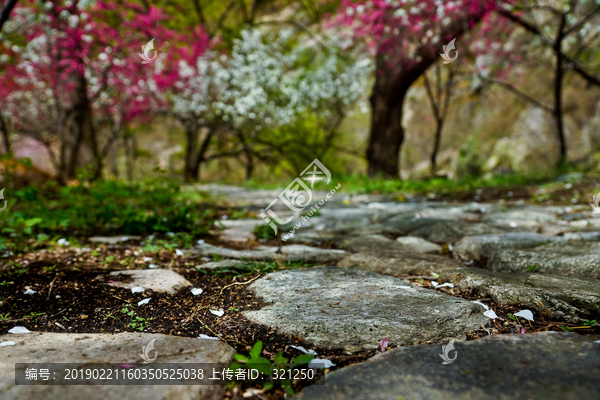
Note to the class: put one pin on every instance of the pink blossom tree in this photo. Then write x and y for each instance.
(406, 37)
(79, 66)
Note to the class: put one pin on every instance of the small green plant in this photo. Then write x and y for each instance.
(33, 316)
(135, 322)
(532, 268)
(231, 309)
(264, 366)
(4, 317)
(511, 317)
(264, 232)
(48, 269)
(566, 328)
(592, 323)
(109, 260)
(66, 319)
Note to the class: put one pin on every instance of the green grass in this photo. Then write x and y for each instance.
(37, 215)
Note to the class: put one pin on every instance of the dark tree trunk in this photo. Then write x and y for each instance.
(79, 149)
(436, 146)
(387, 133)
(190, 172)
(558, 84)
(5, 136)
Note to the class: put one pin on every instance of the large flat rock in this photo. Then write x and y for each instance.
(239, 230)
(479, 247)
(157, 280)
(382, 246)
(551, 296)
(505, 367)
(452, 231)
(294, 252)
(107, 348)
(407, 263)
(336, 307)
(565, 257)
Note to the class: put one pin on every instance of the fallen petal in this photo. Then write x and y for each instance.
(208, 337)
(145, 301)
(218, 313)
(7, 343)
(528, 315)
(178, 252)
(152, 266)
(196, 291)
(523, 330)
(127, 365)
(19, 329)
(137, 289)
(147, 259)
(490, 314)
(481, 304)
(383, 345)
(303, 350)
(320, 363)
(29, 291)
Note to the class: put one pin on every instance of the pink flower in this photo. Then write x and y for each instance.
(523, 330)
(383, 345)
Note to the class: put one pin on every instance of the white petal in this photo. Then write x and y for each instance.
(434, 283)
(319, 363)
(303, 350)
(29, 291)
(178, 252)
(207, 337)
(200, 241)
(7, 343)
(218, 313)
(147, 259)
(196, 291)
(19, 329)
(528, 315)
(481, 304)
(513, 224)
(137, 289)
(152, 266)
(145, 301)
(447, 284)
(490, 314)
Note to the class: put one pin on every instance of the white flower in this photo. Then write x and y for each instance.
(145, 301)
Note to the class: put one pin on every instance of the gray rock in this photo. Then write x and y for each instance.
(452, 231)
(564, 257)
(416, 244)
(478, 247)
(294, 252)
(547, 365)
(221, 264)
(529, 217)
(158, 280)
(108, 348)
(239, 230)
(402, 225)
(550, 296)
(112, 239)
(408, 263)
(344, 308)
(587, 236)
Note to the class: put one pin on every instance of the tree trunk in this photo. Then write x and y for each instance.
(387, 134)
(436, 146)
(5, 136)
(79, 149)
(558, 82)
(190, 172)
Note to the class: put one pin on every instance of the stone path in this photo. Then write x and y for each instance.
(544, 259)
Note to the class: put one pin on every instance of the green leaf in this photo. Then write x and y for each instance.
(303, 359)
(240, 357)
(268, 386)
(255, 352)
(33, 221)
(287, 385)
(262, 365)
(280, 359)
